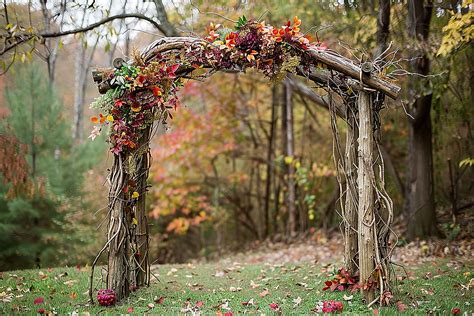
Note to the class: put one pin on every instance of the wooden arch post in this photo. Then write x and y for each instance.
(365, 182)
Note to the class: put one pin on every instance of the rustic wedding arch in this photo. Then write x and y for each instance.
(142, 92)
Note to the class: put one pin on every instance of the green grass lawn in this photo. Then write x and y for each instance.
(432, 287)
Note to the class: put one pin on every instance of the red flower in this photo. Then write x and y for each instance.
(118, 103)
(41, 311)
(456, 311)
(171, 70)
(38, 300)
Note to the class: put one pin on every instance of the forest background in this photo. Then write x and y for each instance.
(230, 167)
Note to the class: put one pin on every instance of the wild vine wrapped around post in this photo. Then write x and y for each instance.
(142, 91)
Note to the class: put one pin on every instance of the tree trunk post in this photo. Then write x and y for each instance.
(142, 238)
(118, 278)
(365, 180)
(351, 196)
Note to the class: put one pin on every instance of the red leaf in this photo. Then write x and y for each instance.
(130, 310)
(160, 300)
(38, 300)
(376, 312)
(199, 304)
(400, 306)
(274, 306)
(228, 314)
(456, 311)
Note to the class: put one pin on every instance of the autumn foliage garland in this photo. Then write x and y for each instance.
(141, 93)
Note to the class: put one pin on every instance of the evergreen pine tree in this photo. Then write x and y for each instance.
(34, 229)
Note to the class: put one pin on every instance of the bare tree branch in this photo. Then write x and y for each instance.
(22, 38)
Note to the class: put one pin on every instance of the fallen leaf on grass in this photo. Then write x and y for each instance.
(130, 310)
(248, 303)
(456, 311)
(235, 289)
(73, 295)
(400, 306)
(70, 283)
(150, 305)
(264, 293)
(159, 300)
(170, 272)
(297, 301)
(38, 300)
(274, 306)
(199, 304)
(348, 298)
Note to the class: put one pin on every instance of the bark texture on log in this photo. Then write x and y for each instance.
(118, 265)
(351, 197)
(142, 237)
(366, 232)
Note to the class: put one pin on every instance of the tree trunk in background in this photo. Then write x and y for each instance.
(351, 196)
(79, 91)
(365, 180)
(383, 27)
(270, 167)
(289, 152)
(52, 47)
(421, 204)
(166, 27)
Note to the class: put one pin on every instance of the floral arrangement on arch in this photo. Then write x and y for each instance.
(144, 92)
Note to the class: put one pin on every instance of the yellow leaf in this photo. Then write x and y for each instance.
(134, 221)
(135, 195)
(288, 160)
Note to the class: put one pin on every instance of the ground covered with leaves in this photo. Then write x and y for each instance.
(227, 287)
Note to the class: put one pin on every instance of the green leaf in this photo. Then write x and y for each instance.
(241, 22)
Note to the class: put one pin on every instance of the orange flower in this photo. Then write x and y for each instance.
(230, 39)
(156, 91)
(100, 119)
(212, 36)
(251, 56)
(296, 21)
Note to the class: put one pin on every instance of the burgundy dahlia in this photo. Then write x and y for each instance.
(251, 41)
(106, 297)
